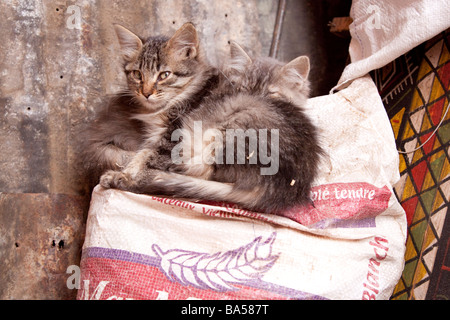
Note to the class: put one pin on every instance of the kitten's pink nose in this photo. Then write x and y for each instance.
(148, 90)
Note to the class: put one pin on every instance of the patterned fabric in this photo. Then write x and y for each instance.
(415, 89)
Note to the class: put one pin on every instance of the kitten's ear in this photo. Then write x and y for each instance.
(130, 44)
(184, 44)
(300, 65)
(239, 59)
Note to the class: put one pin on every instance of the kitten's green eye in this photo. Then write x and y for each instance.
(137, 75)
(163, 75)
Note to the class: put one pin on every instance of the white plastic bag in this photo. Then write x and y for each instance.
(383, 30)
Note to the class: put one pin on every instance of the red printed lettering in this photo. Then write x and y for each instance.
(373, 264)
(372, 282)
(372, 279)
(368, 296)
(343, 201)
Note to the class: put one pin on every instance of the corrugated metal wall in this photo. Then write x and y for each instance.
(58, 59)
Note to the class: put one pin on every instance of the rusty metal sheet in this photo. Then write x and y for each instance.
(41, 235)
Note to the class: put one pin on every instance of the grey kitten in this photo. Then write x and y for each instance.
(269, 160)
(164, 80)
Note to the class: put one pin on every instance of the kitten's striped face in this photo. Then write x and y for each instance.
(160, 71)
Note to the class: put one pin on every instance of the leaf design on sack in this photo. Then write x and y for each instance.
(221, 270)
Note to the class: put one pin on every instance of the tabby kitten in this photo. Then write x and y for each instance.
(165, 77)
(250, 97)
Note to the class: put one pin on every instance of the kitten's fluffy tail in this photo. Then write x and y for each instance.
(182, 186)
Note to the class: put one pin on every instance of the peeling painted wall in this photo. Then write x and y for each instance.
(40, 237)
